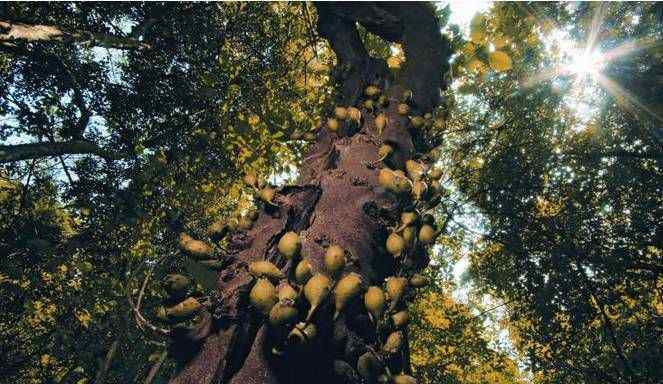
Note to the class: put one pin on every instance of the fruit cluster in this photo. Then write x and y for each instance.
(289, 300)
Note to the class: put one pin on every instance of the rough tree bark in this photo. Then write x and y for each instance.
(337, 200)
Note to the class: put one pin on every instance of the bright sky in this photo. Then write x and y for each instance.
(462, 11)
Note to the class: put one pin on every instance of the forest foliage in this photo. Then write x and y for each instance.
(556, 208)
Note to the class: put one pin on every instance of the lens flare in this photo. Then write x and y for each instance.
(586, 62)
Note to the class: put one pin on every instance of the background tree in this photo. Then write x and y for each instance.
(123, 136)
(571, 200)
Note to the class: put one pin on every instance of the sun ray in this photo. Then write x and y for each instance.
(631, 47)
(624, 98)
(597, 20)
(546, 74)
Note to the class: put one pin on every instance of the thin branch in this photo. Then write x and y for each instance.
(492, 309)
(141, 293)
(101, 375)
(24, 191)
(78, 100)
(14, 32)
(607, 323)
(141, 321)
(155, 368)
(66, 170)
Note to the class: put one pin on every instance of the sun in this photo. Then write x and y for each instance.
(585, 63)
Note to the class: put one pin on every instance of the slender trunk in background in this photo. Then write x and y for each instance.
(337, 201)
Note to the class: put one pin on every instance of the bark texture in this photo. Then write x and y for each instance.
(337, 201)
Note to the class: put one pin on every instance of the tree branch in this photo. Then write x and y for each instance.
(355, 67)
(155, 368)
(9, 153)
(101, 375)
(14, 32)
(413, 24)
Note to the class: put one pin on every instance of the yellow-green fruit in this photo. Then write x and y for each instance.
(282, 314)
(383, 100)
(436, 186)
(384, 151)
(267, 194)
(245, 223)
(374, 301)
(414, 169)
(289, 245)
(252, 214)
(404, 379)
(395, 244)
(347, 288)
(417, 121)
(426, 234)
(286, 293)
(176, 284)
(233, 223)
(250, 179)
(217, 227)
(184, 309)
(368, 104)
(403, 109)
(401, 184)
(371, 91)
(395, 289)
(334, 259)
(428, 116)
(354, 114)
(264, 268)
(303, 272)
(408, 234)
(263, 295)
(393, 343)
(400, 319)
(380, 122)
(332, 124)
(408, 218)
(213, 264)
(195, 248)
(418, 281)
(368, 366)
(435, 173)
(302, 333)
(343, 370)
(160, 313)
(407, 95)
(341, 113)
(315, 291)
(386, 178)
(419, 189)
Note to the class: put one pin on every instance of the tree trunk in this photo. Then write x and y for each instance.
(337, 201)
